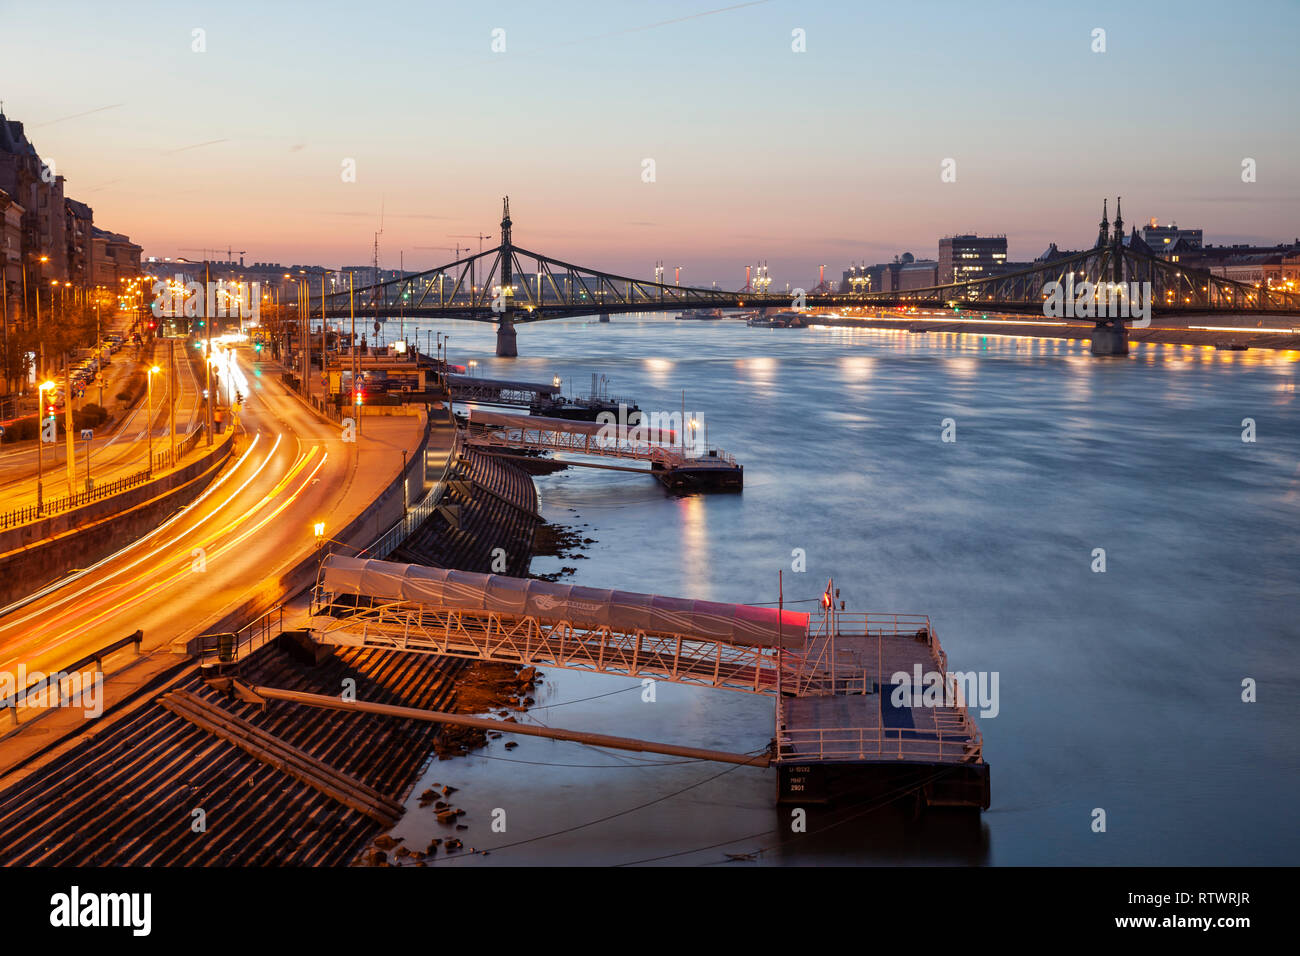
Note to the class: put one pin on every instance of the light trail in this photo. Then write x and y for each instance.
(135, 544)
(218, 551)
(202, 543)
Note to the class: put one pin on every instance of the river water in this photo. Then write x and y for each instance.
(1118, 690)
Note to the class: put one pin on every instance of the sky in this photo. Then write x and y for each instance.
(760, 153)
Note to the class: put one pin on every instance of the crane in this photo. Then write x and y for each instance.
(230, 253)
(454, 250)
(479, 236)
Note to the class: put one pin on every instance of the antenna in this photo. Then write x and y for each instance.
(377, 235)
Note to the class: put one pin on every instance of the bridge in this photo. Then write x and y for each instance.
(838, 727)
(509, 285)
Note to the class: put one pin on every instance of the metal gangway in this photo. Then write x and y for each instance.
(469, 389)
(831, 673)
(385, 605)
(663, 448)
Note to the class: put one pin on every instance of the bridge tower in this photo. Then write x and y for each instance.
(1110, 337)
(506, 345)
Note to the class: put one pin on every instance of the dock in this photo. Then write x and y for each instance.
(677, 465)
(846, 729)
(842, 732)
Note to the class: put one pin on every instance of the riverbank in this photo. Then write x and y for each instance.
(1223, 337)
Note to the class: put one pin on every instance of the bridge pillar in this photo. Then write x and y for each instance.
(1108, 339)
(506, 347)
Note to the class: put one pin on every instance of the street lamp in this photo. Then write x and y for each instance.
(40, 442)
(149, 424)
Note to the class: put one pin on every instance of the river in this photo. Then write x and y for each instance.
(1119, 690)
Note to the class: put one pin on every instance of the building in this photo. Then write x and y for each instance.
(115, 257)
(78, 226)
(965, 258)
(1212, 256)
(1274, 270)
(11, 261)
(1166, 239)
(918, 274)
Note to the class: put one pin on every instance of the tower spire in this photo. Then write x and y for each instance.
(1104, 226)
(1119, 222)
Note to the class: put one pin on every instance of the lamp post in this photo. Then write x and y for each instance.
(149, 424)
(40, 442)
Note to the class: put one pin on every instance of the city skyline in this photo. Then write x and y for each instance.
(249, 156)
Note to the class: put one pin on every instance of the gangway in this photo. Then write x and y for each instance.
(839, 726)
(467, 389)
(670, 459)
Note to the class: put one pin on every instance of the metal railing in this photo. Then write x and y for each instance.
(53, 506)
(417, 514)
(821, 669)
(13, 701)
(230, 647)
(902, 743)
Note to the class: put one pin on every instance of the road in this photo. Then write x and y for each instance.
(123, 450)
(290, 470)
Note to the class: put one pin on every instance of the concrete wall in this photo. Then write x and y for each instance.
(35, 554)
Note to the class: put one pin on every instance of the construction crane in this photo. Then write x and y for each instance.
(454, 250)
(479, 236)
(230, 253)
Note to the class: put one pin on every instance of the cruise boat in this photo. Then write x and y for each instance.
(700, 315)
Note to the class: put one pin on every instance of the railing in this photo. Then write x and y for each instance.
(618, 443)
(231, 647)
(416, 515)
(901, 743)
(52, 506)
(13, 700)
(820, 671)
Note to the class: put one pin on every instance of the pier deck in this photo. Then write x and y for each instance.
(849, 721)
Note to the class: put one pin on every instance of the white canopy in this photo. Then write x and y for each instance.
(624, 611)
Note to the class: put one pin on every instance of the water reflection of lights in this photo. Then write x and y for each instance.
(659, 369)
(695, 544)
(856, 368)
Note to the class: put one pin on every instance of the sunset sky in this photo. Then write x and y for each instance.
(828, 156)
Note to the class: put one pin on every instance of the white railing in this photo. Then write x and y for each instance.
(861, 743)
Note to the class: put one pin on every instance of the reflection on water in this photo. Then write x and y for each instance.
(1120, 690)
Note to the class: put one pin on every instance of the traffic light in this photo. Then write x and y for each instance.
(50, 411)
(358, 398)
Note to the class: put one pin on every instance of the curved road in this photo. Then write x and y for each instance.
(289, 470)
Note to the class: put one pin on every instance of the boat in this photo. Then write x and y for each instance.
(711, 471)
(589, 409)
(700, 315)
(781, 320)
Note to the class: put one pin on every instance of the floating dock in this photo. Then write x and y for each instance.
(844, 731)
(848, 731)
